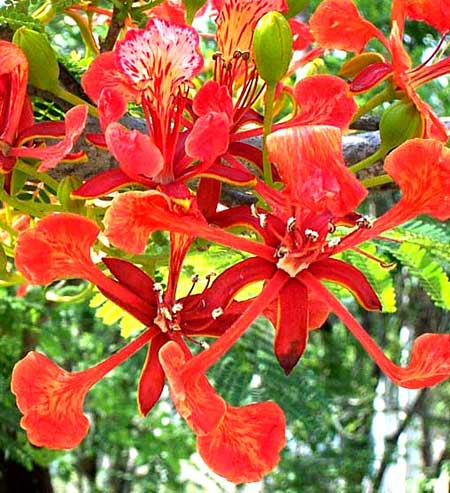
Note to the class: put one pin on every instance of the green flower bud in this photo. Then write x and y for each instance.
(353, 67)
(45, 13)
(272, 47)
(295, 7)
(65, 188)
(400, 122)
(43, 70)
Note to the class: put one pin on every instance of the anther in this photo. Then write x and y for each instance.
(290, 226)
(364, 222)
(262, 220)
(254, 211)
(157, 288)
(216, 313)
(177, 307)
(281, 252)
(204, 345)
(333, 242)
(311, 235)
(331, 227)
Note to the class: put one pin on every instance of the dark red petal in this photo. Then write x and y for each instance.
(138, 155)
(208, 196)
(103, 184)
(132, 277)
(350, 277)
(371, 76)
(242, 216)
(57, 248)
(289, 316)
(151, 380)
(198, 309)
(227, 174)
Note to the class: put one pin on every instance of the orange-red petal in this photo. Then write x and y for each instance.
(433, 12)
(57, 248)
(51, 400)
(241, 444)
(421, 168)
(138, 156)
(310, 161)
(324, 100)
(338, 24)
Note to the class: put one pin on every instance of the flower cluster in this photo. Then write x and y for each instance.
(199, 116)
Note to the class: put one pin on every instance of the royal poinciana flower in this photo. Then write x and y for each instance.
(338, 24)
(231, 441)
(19, 135)
(299, 243)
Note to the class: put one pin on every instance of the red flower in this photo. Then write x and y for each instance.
(18, 134)
(153, 67)
(319, 194)
(334, 17)
(51, 399)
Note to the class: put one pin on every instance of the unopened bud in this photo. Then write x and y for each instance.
(272, 47)
(400, 122)
(43, 69)
(353, 67)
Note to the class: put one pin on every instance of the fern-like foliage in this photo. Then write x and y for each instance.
(380, 277)
(16, 14)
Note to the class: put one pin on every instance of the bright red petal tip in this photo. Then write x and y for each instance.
(57, 248)
(51, 400)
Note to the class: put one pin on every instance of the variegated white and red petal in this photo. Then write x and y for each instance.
(160, 57)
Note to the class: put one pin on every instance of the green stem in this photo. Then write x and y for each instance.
(376, 181)
(72, 99)
(268, 117)
(31, 171)
(385, 95)
(368, 161)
